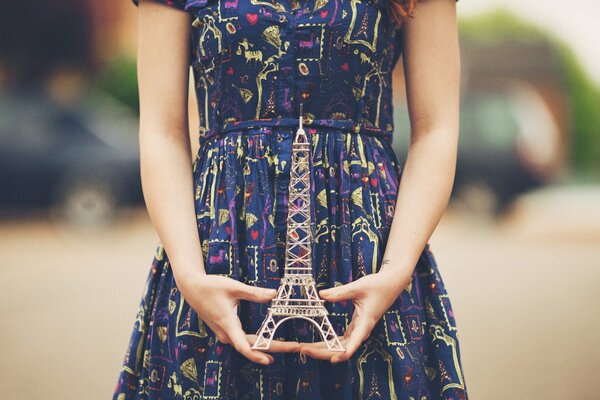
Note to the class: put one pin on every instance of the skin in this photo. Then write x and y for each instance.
(432, 69)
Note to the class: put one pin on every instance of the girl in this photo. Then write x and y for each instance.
(222, 218)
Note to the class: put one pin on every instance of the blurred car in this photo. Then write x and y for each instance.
(80, 160)
(509, 143)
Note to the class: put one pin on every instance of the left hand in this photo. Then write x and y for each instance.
(372, 295)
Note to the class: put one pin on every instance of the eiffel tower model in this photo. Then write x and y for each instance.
(297, 295)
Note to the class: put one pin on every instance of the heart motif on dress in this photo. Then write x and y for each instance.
(230, 71)
(254, 234)
(324, 13)
(252, 18)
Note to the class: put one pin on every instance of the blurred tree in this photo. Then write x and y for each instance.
(119, 78)
(583, 97)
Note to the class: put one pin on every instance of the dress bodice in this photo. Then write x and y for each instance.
(256, 61)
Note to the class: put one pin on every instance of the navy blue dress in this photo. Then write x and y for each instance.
(254, 62)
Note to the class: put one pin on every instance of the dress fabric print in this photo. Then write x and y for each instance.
(254, 62)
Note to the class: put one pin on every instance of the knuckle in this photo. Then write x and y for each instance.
(220, 321)
(241, 346)
(237, 346)
(232, 287)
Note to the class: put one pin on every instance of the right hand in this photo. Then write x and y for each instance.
(215, 298)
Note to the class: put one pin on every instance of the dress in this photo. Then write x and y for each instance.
(254, 62)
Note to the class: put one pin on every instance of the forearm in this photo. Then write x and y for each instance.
(423, 196)
(167, 182)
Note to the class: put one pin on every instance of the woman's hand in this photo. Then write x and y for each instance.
(372, 296)
(215, 298)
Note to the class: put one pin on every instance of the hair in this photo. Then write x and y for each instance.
(401, 10)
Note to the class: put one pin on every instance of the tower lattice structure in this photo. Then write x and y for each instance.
(297, 295)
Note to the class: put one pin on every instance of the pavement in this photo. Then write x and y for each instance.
(525, 291)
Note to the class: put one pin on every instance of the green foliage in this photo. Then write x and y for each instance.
(498, 26)
(582, 95)
(584, 101)
(120, 80)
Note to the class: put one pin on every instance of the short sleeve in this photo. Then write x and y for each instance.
(180, 4)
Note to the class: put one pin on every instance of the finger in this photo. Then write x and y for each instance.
(320, 349)
(221, 336)
(278, 346)
(253, 293)
(348, 331)
(359, 334)
(317, 350)
(313, 345)
(339, 293)
(241, 344)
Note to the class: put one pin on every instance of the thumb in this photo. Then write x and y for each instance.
(339, 293)
(254, 293)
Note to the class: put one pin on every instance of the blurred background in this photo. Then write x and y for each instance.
(518, 248)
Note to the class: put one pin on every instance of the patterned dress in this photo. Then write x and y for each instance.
(254, 62)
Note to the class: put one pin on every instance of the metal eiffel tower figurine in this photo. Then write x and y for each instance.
(297, 295)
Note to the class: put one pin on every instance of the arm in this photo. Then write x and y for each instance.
(432, 68)
(167, 178)
(165, 159)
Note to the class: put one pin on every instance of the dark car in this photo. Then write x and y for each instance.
(509, 143)
(81, 160)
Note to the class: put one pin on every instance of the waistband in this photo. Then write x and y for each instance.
(347, 125)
